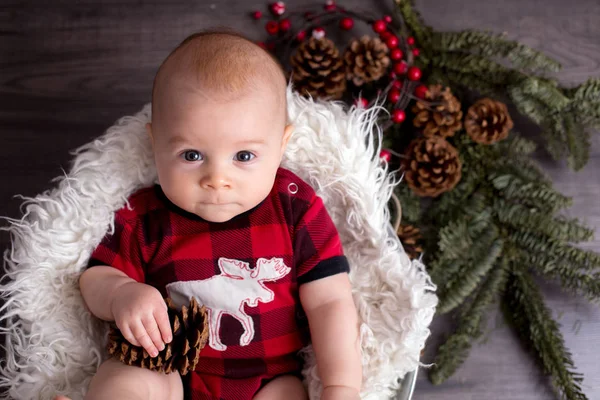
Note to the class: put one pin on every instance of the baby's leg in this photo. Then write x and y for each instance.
(287, 387)
(115, 380)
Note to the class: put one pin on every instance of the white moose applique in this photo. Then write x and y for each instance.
(227, 293)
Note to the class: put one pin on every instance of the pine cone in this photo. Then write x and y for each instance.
(410, 237)
(366, 60)
(190, 334)
(488, 121)
(318, 70)
(443, 118)
(432, 166)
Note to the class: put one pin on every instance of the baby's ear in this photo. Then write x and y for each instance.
(287, 134)
(149, 132)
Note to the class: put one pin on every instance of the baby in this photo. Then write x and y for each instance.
(227, 225)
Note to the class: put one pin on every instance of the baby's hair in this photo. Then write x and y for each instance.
(223, 64)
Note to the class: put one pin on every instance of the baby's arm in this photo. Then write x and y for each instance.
(138, 309)
(333, 322)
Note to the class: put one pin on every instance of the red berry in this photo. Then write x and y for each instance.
(329, 5)
(421, 91)
(277, 8)
(362, 102)
(272, 27)
(400, 68)
(300, 36)
(385, 35)
(397, 84)
(392, 75)
(394, 96)
(387, 19)
(385, 155)
(414, 73)
(379, 26)
(257, 15)
(391, 41)
(398, 116)
(346, 23)
(396, 54)
(416, 52)
(318, 33)
(410, 40)
(285, 25)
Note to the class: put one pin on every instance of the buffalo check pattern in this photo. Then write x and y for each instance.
(157, 243)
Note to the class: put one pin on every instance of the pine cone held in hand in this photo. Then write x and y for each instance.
(443, 117)
(318, 70)
(366, 60)
(488, 121)
(432, 166)
(190, 334)
(410, 237)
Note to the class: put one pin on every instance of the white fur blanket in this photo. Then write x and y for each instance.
(54, 345)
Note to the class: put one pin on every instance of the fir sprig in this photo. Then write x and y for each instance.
(535, 325)
(505, 214)
(453, 353)
(494, 65)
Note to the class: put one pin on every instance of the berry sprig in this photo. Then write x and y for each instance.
(288, 28)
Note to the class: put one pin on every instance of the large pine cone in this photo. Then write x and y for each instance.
(442, 118)
(190, 334)
(318, 70)
(366, 60)
(432, 166)
(488, 121)
(410, 237)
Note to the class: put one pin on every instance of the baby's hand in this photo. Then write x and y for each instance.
(340, 393)
(141, 314)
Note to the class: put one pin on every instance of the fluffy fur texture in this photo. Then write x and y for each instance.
(54, 345)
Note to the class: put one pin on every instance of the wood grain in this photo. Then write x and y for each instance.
(69, 69)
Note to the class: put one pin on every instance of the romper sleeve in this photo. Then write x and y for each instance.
(121, 249)
(318, 250)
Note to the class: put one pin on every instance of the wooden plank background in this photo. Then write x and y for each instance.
(70, 68)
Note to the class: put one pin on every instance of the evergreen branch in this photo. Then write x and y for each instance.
(453, 353)
(454, 293)
(541, 222)
(584, 260)
(468, 80)
(533, 194)
(517, 146)
(494, 45)
(551, 267)
(533, 321)
(414, 21)
(588, 91)
(482, 67)
(528, 105)
(578, 140)
(546, 92)
(522, 168)
(411, 204)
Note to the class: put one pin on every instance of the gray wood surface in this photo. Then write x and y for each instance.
(69, 69)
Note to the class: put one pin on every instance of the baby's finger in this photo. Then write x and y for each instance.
(139, 332)
(153, 331)
(162, 319)
(127, 334)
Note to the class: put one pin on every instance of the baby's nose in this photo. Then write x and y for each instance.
(215, 181)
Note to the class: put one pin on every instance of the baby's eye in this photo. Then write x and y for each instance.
(192, 155)
(244, 156)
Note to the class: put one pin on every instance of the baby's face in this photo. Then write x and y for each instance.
(219, 159)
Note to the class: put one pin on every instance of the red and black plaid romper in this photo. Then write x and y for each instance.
(253, 266)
